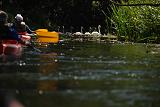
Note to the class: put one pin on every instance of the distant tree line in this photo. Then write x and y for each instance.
(53, 14)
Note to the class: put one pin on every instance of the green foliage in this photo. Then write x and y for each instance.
(51, 13)
(95, 4)
(137, 23)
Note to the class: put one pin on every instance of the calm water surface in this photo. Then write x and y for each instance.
(85, 75)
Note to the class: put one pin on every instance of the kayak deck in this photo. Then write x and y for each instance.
(10, 47)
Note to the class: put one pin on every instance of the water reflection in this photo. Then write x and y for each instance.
(86, 74)
(46, 70)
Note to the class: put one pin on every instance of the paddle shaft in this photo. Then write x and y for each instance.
(36, 49)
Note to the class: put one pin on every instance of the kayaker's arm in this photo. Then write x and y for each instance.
(29, 30)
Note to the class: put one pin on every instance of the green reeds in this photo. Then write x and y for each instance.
(137, 23)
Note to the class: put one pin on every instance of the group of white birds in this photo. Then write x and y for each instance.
(94, 33)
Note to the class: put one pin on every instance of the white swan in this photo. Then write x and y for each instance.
(79, 33)
(95, 33)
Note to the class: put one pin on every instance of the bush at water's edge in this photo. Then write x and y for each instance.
(137, 23)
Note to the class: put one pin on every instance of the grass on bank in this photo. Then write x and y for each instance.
(137, 23)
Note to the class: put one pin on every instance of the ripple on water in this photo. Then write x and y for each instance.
(122, 75)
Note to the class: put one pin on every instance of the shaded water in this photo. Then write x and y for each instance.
(85, 75)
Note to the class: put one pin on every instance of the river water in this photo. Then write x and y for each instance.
(85, 75)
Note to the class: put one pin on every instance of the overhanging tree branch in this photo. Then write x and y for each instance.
(145, 4)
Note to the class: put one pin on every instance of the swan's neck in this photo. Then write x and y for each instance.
(81, 29)
(99, 29)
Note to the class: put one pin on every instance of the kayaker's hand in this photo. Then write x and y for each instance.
(34, 32)
(27, 43)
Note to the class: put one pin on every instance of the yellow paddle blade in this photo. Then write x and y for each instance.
(48, 37)
(47, 40)
(41, 30)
